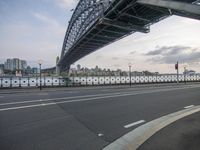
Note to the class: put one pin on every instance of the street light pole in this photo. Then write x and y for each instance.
(129, 72)
(185, 74)
(40, 78)
(40, 64)
(177, 69)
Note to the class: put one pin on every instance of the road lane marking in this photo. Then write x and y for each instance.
(138, 136)
(53, 99)
(77, 100)
(186, 107)
(100, 134)
(72, 92)
(134, 123)
(62, 102)
(42, 94)
(83, 96)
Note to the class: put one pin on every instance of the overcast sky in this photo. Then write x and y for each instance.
(35, 29)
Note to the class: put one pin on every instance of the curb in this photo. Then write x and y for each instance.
(135, 138)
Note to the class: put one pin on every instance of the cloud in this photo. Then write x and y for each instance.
(99, 57)
(168, 50)
(67, 3)
(32, 41)
(133, 52)
(171, 54)
(115, 58)
(45, 19)
(117, 65)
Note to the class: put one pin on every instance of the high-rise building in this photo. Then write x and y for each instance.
(15, 64)
(24, 64)
(9, 64)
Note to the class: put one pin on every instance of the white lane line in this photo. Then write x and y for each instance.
(134, 123)
(100, 134)
(61, 98)
(76, 100)
(186, 107)
(62, 102)
(42, 93)
(84, 96)
(72, 92)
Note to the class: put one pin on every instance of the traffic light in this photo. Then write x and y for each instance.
(176, 66)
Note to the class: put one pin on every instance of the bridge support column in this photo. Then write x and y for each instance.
(57, 70)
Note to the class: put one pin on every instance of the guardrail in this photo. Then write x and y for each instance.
(17, 82)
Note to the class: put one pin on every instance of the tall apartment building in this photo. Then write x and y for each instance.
(24, 64)
(15, 64)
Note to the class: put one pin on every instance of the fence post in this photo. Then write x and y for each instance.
(11, 82)
(1, 82)
(19, 82)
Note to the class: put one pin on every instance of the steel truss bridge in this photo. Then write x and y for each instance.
(97, 23)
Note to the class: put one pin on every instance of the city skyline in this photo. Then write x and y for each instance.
(37, 32)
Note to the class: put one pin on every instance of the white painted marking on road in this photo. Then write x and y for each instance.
(81, 100)
(186, 107)
(42, 93)
(52, 99)
(100, 134)
(134, 123)
(138, 136)
(72, 92)
(83, 96)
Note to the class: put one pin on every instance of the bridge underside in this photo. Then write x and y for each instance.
(122, 18)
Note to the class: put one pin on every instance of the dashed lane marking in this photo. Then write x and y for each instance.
(134, 123)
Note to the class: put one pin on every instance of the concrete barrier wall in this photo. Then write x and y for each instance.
(84, 81)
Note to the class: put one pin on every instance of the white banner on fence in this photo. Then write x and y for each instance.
(103, 80)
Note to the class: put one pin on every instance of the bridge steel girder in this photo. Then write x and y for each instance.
(85, 14)
(97, 23)
(122, 25)
(181, 8)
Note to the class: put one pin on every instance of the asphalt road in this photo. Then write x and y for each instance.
(85, 118)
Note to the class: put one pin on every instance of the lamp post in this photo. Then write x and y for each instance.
(40, 63)
(185, 74)
(129, 65)
(177, 69)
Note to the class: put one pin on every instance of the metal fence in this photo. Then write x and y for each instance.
(17, 82)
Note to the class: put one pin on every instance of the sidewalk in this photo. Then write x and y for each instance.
(183, 134)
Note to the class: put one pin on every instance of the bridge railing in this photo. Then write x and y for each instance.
(25, 82)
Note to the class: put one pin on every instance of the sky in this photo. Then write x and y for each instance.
(34, 30)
